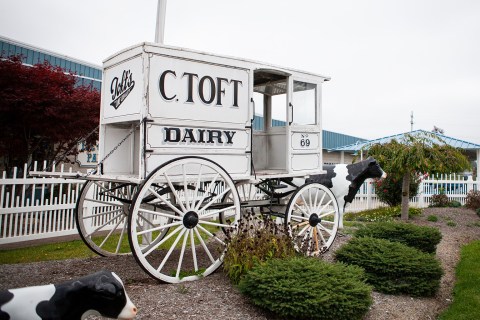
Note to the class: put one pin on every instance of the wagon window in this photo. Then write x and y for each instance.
(304, 102)
(270, 92)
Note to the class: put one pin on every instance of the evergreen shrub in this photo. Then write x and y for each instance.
(308, 288)
(392, 267)
(255, 241)
(423, 238)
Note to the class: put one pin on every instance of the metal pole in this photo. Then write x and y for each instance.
(160, 30)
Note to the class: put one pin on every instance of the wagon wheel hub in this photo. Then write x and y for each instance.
(190, 219)
(314, 220)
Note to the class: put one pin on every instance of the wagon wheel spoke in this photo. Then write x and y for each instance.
(312, 218)
(179, 240)
(100, 216)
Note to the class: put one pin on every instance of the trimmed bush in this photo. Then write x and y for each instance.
(440, 200)
(255, 241)
(455, 204)
(432, 218)
(308, 288)
(392, 267)
(422, 238)
(473, 200)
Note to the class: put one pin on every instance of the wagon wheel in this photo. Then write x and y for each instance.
(247, 192)
(194, 245)
(101, 216)
(312, 218)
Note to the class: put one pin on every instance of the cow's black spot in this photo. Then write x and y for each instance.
(325, 178)
(5, 296)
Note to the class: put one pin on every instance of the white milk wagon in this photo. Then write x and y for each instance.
(181, 160)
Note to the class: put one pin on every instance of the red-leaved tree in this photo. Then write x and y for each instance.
(43, 114)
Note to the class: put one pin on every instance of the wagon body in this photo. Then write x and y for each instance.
(181, 102)
(180, 160)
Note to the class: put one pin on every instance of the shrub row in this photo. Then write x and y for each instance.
(308, 288)
(392, 267)
(423, 238)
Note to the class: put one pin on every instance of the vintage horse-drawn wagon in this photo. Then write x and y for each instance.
(180, 159)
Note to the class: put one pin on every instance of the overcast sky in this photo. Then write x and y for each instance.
(386, 58)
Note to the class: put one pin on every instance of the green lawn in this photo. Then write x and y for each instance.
(77, 249)
(466, 294)
(54, 251)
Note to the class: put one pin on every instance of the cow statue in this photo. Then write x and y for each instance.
(344, 180)
(101, 294)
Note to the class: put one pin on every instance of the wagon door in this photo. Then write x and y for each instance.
(304, 129)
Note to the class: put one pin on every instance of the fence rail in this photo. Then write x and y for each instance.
(38, 208)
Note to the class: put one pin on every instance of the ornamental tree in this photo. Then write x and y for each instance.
(424, 152)
(43, 113)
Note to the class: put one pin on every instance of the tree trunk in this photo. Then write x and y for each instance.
(405, 195)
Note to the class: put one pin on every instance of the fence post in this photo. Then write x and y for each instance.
(369, 194)
(469, 183)
(421, 194)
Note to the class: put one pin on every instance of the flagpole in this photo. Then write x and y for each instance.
(160, 29)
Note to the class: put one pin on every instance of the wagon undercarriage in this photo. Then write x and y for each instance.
(176, 222)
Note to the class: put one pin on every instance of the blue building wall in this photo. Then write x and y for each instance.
(86, 73)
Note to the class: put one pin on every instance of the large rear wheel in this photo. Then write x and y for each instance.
(187, 194)
(101, 216)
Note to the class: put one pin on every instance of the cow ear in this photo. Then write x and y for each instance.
(372, 162)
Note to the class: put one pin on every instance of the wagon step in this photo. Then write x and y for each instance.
(278, 186)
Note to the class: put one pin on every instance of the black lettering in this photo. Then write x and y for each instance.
(190, 85)
(235, 92)
(214, 134)
(161, 84)
(212, 89)
(172, 135)
(201, 135)
(220, 92)
(229, 137)
(188, 135)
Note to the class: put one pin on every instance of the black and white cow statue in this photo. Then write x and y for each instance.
(101, 294)
(344, 180)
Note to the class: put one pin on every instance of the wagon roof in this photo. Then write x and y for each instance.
(154, 47)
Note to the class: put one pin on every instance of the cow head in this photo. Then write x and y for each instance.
(101, 293)
(359, 172)
(374, 170)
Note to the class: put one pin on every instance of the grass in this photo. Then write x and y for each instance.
(380, 214)
(74, 249)
(466, 294)
(46, 252)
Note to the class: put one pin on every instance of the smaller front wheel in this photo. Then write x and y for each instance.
(312, 219)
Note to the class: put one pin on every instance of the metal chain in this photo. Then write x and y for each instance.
(65, 154)
(114, 149)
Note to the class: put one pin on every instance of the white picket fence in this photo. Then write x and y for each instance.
(38, 208)
(454, 186)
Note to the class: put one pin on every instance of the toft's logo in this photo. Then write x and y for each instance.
(121, 88)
